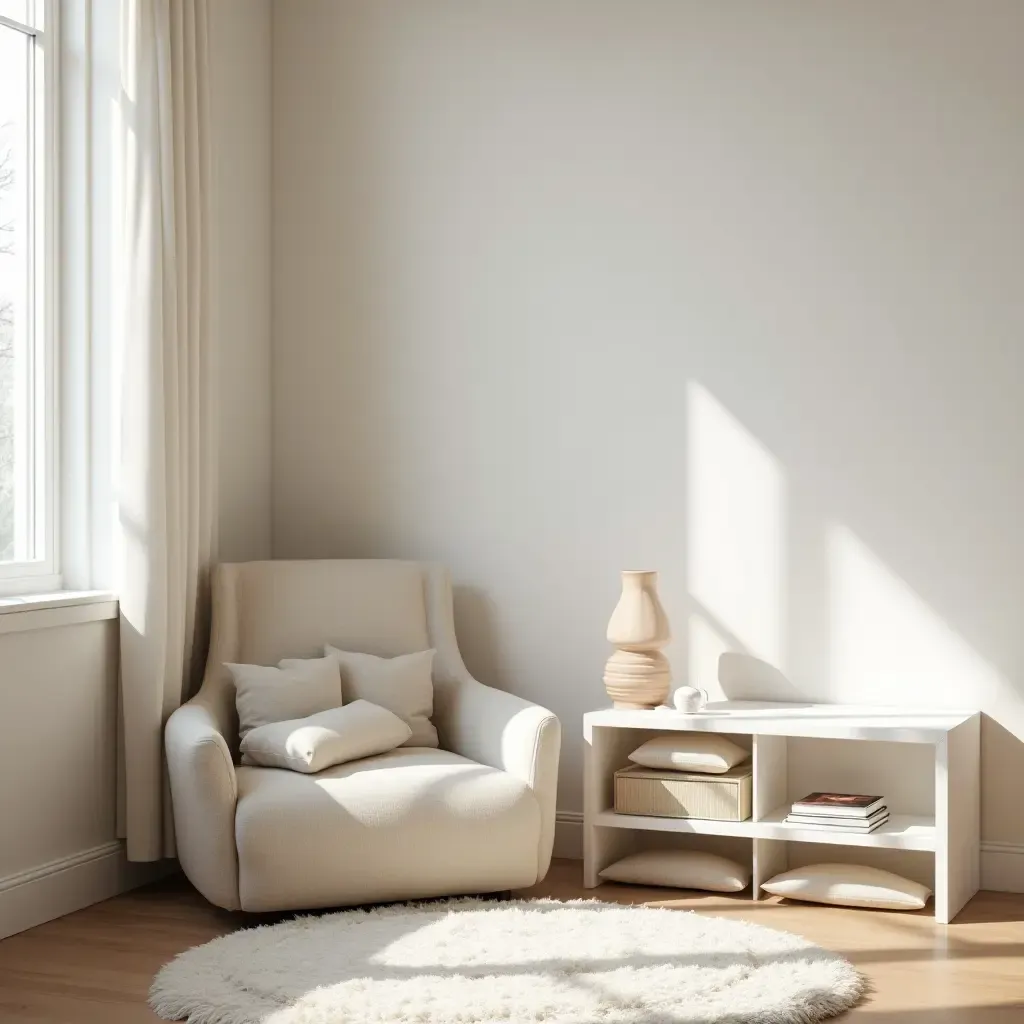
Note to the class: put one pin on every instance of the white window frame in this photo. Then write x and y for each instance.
(37, 464)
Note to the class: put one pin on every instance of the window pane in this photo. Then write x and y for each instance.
(15, 327)
(18, 10)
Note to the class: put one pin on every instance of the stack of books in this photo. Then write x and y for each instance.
(839, 812)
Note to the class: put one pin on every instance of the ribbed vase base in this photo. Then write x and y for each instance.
(637, 679)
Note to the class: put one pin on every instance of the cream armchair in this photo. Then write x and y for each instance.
(476, 815)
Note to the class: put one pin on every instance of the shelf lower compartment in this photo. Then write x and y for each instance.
(900, 832)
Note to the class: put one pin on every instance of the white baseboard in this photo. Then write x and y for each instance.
(62, 886)
(71, 883)
(569, 835)
(1002, 867)
(1002, 864)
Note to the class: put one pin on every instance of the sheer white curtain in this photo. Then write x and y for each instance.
(165, 473)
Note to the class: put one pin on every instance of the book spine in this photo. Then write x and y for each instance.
(817, 827)
(835, 812)
(821, 825)
(835, 819)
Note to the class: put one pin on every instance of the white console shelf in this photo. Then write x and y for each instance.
(950, 833)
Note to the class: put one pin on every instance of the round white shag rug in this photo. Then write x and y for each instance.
(471, 961)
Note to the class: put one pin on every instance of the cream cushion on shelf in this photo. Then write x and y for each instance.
(690, 752)
(404, 685)
(297, 688)
(413, 822)
(680, 869)
(359, 729)
(849, 885)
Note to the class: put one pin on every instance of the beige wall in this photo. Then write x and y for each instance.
(728, 290)
(58, 750)
(57, 743)
(240, 115)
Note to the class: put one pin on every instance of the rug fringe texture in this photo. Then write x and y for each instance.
(473, 961)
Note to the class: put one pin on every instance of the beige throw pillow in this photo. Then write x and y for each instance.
(849, 885)
(681, 869)
(404, 685)
(690, 752)
(359, 729)
(297, 688)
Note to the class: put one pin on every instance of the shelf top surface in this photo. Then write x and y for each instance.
(908, 826)
(900, 832)
(836, 721)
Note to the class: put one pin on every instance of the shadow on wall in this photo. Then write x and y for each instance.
(479, 636)
(744, 677)
(859, 633)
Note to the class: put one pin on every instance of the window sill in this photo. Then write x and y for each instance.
(57, 608)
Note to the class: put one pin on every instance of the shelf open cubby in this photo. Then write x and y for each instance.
(925, 763)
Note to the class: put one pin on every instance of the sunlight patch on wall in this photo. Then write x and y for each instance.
(888, 646)
(735, 526)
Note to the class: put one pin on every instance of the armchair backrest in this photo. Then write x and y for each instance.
(265, 611)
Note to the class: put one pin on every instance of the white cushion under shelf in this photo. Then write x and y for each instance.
(679, 869)
(849, 885)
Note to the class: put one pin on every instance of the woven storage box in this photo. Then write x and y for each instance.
(667, 794)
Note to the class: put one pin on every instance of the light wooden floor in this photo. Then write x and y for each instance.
(94, 967)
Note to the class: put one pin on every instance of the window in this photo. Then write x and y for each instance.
(28, 556)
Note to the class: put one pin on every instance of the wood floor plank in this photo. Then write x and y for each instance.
(95, 966)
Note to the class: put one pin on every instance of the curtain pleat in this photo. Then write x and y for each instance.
(166, 480)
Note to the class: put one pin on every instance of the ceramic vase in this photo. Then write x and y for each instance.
(637, 674)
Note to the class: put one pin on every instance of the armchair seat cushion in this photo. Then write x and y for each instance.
(411, 823)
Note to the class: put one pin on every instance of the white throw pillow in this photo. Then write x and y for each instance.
(849, 885)
(404, 685)
(681, 869)
(359, 729)
(690, 752)
(297, 688)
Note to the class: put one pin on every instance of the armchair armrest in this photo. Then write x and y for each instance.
(509, 733)
(204, 791)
